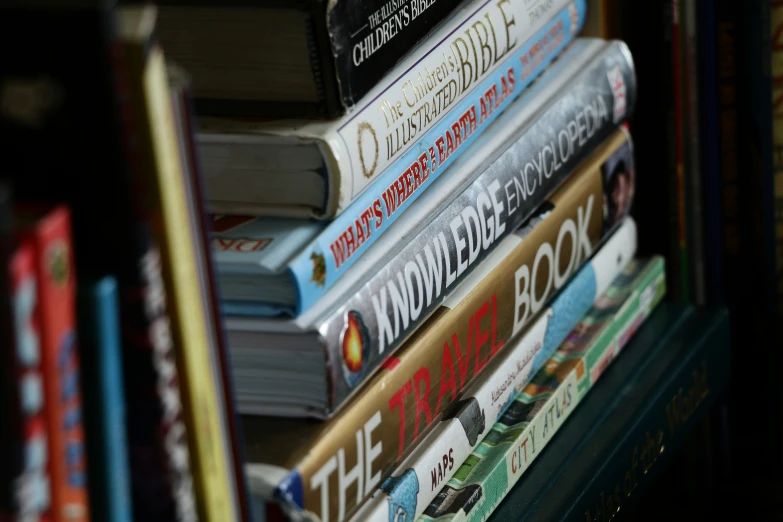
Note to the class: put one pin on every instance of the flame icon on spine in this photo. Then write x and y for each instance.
(355, 347)
(352, 345)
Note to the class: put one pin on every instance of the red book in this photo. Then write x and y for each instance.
(48, 235)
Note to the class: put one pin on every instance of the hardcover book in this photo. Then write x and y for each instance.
(184, 119)
(161, 169)
(447, 91)
(293, 460)
(541, 408)
(305, 58)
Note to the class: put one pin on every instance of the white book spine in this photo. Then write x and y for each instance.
(422, 89)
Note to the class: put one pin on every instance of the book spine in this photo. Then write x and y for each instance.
(484, 44)
(658, 429)
(369, 38)
(679, 116)
(161, 481)
(104, 397)
(195, 183)
(759, 198)
(542, 407)
(692, 86)
(732, 243)
(498, 201)
(56, 295)
(164, 177)
(31, 493)
(776, 22)
(755, 311)
(391, 193)
(416, 384)
(418, 479)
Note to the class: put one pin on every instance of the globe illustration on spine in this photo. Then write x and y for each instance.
(355, 343)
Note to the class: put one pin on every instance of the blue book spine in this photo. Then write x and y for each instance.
(104, 396)
(316, 268)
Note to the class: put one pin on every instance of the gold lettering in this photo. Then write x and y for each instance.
(486, 56)
(508, 22)
(465, 67)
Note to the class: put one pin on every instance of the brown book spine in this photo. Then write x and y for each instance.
(361, 445)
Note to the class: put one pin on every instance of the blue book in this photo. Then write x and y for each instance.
(104, 400)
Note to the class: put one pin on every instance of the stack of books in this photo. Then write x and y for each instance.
(426, 257)
(335, 261)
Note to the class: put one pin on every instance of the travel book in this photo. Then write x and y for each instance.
(308, 58)
(540, 409)
(629, 426)
(418, 479)
(412, 125)
(292, 460)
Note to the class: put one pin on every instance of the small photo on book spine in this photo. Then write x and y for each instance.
(619, 180)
